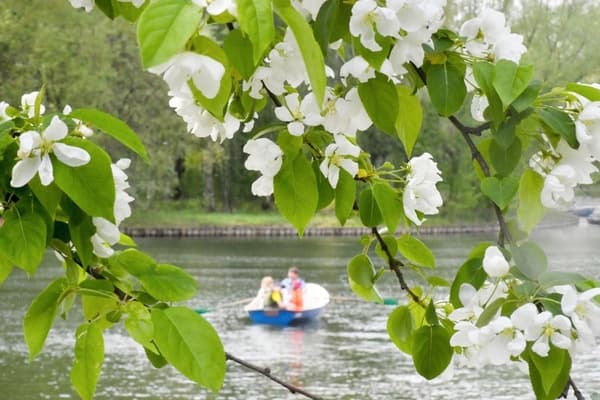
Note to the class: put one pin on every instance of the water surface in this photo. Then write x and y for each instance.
(346, 355)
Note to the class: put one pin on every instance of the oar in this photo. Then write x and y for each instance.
(386, 300)
(204, 310)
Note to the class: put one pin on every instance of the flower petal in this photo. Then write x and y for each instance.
(24, 171)
(71, 155)
(46, 171)
(56, 130)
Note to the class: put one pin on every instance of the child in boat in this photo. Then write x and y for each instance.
(293, 287)
(268, 296)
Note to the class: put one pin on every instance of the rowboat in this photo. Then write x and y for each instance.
(315, 299)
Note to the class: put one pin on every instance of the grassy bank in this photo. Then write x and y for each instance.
(181, 215)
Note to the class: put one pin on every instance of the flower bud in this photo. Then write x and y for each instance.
(494, 263)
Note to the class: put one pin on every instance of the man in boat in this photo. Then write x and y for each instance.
(293, 288)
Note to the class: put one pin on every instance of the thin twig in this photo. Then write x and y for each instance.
(395, 265)
(272, 96)
(267, 373)
(576, 392)
(466, 132)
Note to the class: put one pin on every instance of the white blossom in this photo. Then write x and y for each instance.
(494, 263)
(205, 72)
(587, 127)
(298, 114)
(310, 7)
(357, 67)
(107, 233)
(337, 155)
(345, 115)
(34, 154)
(87, 5)
(266, 157)
(542, 328)
(3, 115)
(584, 313)
(217, 7)
(136, 3)
(420, 192)
(286, 65)
(488, 36)
(366, 16)
(479, 103)
(418, 21)
(28, 104)
(202, 123)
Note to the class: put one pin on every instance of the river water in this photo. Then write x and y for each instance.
(346, 355)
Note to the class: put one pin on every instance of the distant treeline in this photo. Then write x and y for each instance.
(88, 61)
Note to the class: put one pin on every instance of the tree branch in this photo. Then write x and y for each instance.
(576, 392)
(267, 373)
(466, 132)
(395, 265)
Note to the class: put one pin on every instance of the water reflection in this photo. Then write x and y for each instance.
(345, 355)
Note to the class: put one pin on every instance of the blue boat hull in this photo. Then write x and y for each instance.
(283, 317)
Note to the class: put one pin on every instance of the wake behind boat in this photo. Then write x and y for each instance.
(315, 299)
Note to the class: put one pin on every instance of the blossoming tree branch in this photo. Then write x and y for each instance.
(225, 63)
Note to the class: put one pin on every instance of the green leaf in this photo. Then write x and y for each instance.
(157, 360)
(49, 196)
(325, 23)
(89, 357)
(435, 280)
(326, 192)
(164, 28)
(489, 312)
(191, 345)
(446, 86)
(81, 230)
(238, 49)
(409, 119)
(431, 314)
(361, 271)
(139, 325)
(90, 186)
(41, 315)
(530, 211)
(561, 123)
(162, 281)
(484, 73)
(431, 351)
(5, 269)
(400, 327)
(296, 193)
(500, 191)
(23, 235)
(369, 294)
(345, 195)
(389, 203)
(415, 251)
(505, 159)
(587, 91)
(311, 52)
(380, 99)
(390, 243)
(530, 259)
(369, 212)
(112, 126)
(256, 20)
(511, 80)
(549, 375)
(528, 97)
(554, 278)
(108, 8)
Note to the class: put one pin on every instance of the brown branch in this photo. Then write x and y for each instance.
(267, 373)
(576, 392)
(395, 266)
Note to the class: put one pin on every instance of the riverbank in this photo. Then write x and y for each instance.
(191, 223)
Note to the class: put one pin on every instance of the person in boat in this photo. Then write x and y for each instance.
(293, 287)
(269, 295)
